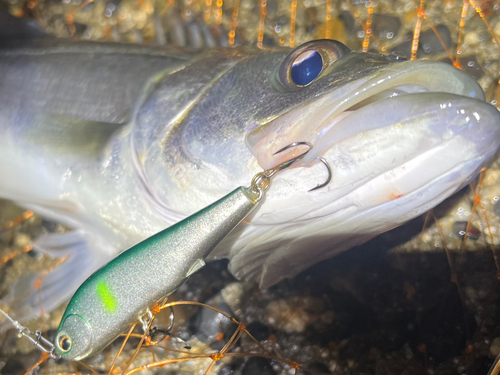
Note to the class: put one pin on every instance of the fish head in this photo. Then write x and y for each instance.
(74, 338)
(399, 137)
(194, 131)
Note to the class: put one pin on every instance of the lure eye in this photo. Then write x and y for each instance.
(74, 338)
(306, 63)
(65, 343)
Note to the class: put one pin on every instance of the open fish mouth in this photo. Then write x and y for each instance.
(435, 95)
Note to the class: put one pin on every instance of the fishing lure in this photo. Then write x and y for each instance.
(122, 292)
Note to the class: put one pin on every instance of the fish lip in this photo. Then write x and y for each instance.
(428, 75)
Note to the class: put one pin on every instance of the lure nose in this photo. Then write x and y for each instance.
(74, 338)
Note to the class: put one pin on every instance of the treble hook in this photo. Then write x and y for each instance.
(328, 179)
(261, 181)
(288, 163)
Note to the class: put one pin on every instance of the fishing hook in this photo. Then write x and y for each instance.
(329, 178)
(261, 181)
(271, 172)
(288, 163)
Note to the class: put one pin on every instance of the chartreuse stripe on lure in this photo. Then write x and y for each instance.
(119, 293)
(107, 298)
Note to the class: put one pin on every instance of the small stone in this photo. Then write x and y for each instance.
(460, 227)
(22, 240)
(495, 347)
(232, 295)
(471, 38)
(287, 317)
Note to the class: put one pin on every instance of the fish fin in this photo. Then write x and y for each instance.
(63, 134)
(13, 28)
(79, 253)
(269, 262)
(198, 264)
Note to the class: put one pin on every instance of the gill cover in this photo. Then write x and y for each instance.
(74, 338)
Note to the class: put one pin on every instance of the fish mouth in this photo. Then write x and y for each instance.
(402, 92)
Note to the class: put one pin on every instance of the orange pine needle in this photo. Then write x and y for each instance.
(293, 17)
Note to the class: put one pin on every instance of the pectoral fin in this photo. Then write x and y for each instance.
(62, 134)
(200, 263)
(79, 253)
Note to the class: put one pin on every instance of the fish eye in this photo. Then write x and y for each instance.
(65, 343)
(306, 68)
(306, 63)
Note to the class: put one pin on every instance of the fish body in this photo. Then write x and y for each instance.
(121, 292)
(119, 142)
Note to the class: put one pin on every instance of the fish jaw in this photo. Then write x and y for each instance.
(311, 121)
(427, 146)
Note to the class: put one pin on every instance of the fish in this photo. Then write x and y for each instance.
(119, 142)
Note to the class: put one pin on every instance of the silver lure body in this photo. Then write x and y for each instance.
(119, 142)
(119, 293)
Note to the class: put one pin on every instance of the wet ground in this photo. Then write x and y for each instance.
(400, 304)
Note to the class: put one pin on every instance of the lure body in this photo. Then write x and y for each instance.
(119, 293)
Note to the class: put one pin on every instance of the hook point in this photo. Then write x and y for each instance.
(329, 178)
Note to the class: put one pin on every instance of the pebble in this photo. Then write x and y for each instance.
(495, 347)
(295, 314)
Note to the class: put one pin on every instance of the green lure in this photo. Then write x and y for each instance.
(118, 294)
(121, 292)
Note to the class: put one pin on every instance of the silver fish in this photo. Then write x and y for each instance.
(119, 142)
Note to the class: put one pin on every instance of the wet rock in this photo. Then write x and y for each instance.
(469, 65)
(286, 317)
(348, 20)
(295, 314)
(208, 325)
(316, 368)
(258, 330)
(460, 227)
(429, 44)
(80, 28)
(19, 364)
(385, 27)
(496, 207)
(231, 369)
(495, 347)
(258, 366)
(233, 293)
(13, 366)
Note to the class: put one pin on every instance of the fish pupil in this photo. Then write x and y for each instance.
(306, 68)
